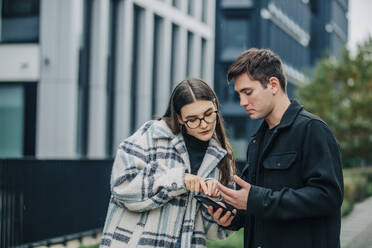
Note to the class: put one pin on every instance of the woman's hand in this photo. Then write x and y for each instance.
(195, 183)
(212, 188)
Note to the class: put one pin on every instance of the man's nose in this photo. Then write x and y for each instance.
(243, 101)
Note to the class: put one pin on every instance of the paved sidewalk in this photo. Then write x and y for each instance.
(356, 228)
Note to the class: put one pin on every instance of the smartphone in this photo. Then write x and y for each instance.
(209, 202)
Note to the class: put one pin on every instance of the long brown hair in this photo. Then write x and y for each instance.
(189, 91)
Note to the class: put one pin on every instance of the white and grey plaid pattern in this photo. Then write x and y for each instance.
(150, 206)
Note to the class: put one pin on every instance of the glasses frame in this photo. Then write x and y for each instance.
(202, 119)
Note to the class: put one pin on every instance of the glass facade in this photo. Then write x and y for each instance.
(11, 120)
(19, 21)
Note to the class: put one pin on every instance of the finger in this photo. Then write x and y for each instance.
(209, 184)
(217, 214)
(228, 199)
(241, 182)
(229, 220)
(192, 186)
(210, 210)
(224, 218)
(222, 204)
(226, 190)
(197, 186)
(204, 187)
(216, 191)
(187, 184)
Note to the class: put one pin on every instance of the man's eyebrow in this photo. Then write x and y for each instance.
(244, 89)
(188, 116)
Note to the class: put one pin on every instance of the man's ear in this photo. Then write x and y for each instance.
(274, 85)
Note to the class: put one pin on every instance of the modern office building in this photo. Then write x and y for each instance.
(79, 76)
(299, 31)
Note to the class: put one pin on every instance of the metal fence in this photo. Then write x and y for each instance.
(46, 200)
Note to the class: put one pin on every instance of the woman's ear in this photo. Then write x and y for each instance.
(180, 121)
(215, 104)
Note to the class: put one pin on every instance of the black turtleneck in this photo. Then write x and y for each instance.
(196, 149)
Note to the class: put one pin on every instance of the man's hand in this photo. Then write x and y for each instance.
(222, 220)
(236, 198)
(195, 183)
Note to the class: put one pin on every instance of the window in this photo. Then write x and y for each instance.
(19, 20)
(111, 70)
(158, 61)
(190, 50)
(17, 119)
(83, 95)
(203, 58)
(138, 44)
(175, 47)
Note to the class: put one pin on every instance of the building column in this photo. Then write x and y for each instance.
(60, 34)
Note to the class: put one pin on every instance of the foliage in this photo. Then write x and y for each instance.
(340, 92)
(234, 241)
(357, 186)
(346, 208)
(89, 246)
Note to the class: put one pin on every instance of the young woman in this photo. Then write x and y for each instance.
(159, 169)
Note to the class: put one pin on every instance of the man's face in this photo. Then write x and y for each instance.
(256, 100)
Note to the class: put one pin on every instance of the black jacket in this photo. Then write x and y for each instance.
(297, 185)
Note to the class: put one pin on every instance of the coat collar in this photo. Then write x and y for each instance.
(213, 155)
(288, 118)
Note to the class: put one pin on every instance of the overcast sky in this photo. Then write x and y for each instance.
(360, 21)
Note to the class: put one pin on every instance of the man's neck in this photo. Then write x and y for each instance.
(274, 118)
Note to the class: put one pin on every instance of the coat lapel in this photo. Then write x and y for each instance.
(179, 144)
(212, 157)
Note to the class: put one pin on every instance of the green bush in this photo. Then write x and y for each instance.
(89, 246)
(234, 241)
(349, 189)
(346, 208)
(369, 189)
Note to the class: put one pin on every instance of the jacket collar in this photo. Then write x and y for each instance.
(213, 154)
(288, 118)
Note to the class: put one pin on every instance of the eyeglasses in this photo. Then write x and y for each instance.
(209, 117)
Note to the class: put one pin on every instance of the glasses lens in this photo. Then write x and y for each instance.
(193, 124)
(211, 117)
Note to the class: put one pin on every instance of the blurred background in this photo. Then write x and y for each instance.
(79, 76)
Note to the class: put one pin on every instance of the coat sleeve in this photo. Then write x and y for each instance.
(139, 183)
(322, 192)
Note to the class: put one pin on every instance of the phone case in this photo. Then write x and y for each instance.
(209, 202)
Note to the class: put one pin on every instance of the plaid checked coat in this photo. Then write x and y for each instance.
(150, 206)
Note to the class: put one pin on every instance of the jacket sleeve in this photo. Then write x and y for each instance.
(239, 221)
(139, 183)
(212, 229)
(322, 192)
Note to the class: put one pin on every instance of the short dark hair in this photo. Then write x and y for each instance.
(260, 65)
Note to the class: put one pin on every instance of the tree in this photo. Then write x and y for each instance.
(340, 92)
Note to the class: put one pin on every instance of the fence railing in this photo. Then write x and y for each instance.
(46, 200)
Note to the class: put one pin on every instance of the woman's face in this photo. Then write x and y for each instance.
(191, 115)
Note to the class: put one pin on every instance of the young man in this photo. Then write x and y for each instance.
(291, 190)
